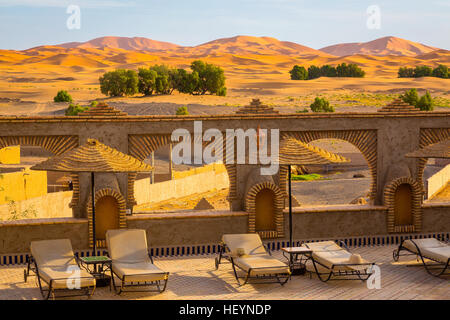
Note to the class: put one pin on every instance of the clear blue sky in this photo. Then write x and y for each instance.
(314, 23)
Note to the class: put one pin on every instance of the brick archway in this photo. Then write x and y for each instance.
(122, 212)
(364, 140)
(56, 145)
(142, 146)
(416, 205)
(250, 207)
(427, 137)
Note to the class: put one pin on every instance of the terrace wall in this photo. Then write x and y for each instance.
(207, 227)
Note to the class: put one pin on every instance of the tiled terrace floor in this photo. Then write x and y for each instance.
(196, 278)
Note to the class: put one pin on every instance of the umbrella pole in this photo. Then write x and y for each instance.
(93, 214)
(290, 207)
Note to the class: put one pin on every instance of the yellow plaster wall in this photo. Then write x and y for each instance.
(22, 185)
(10, 155)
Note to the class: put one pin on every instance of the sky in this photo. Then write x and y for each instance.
(313, 23)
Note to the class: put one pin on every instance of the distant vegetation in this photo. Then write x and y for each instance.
(75, 109)
(321, 105)
(440, 71)
(306, 177)
(313, 72)
(424, 103)
(160, 79)
(62, 96)
(182, 111)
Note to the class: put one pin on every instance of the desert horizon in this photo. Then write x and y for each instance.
(255, 67)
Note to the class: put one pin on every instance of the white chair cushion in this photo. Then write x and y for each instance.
(250, 243)
(140, 271)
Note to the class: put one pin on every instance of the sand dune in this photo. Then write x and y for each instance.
(135, 43)
(380, 47)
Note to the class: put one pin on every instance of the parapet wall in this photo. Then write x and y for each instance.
(196, 228)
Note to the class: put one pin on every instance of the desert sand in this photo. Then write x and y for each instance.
(255, 67)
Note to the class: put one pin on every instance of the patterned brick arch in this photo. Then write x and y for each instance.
(427, 137)
(122, 212)
(250, 207)
(364, 140)
(142, 146)
(389, 201)
(56, 145)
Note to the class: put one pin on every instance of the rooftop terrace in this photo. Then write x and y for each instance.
(195, 278)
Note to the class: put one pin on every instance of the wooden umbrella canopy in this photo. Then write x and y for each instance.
(435, 150)
(93, 156)
(293, 152)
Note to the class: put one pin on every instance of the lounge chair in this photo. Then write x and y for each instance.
(247, 252)
(132, 262)
(431, 249)
(55, 264)
(331, 261)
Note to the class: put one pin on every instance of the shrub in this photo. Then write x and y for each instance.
(321, 105)
(304, 110)
(119, 83)
(328, 71)
(93, 104)
(411, 97)
(425, 102)
(298, 73)
(74, 109)
(62, 96)
(182, 111)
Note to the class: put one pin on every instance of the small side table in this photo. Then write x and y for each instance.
(98, 266)
(292, 254)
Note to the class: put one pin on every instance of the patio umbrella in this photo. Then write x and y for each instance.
(93, 157)
(295, 152)
(435, 150)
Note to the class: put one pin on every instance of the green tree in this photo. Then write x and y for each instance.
(441, 72)
(321, 105)
(328, 71)
(425, 102)
(410, 97)
(146, 81)
(211, 78)
(405, 72)
(62, 96)
(314, 72)
(162, 81)
(350, 70)
(182, 111)
(423, 71)
(119, 83)
(298, 73)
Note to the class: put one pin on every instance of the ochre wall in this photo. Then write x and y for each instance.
(22, 185)
(10, 155)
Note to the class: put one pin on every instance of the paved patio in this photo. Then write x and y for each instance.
(196, 278)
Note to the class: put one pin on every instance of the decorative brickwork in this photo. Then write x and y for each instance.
(364, 140)
(250, 207)
(122, 213)
(427, 137)
(398, 106)
(416, 205)
(256, 107)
